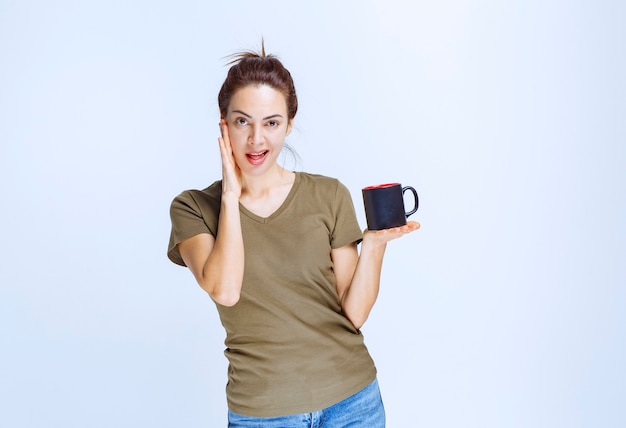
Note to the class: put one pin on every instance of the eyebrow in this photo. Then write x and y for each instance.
(250, 117)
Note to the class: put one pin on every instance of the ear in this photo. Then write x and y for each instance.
(289, 126)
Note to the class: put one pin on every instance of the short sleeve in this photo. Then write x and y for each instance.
(347, 229)
(191, 213)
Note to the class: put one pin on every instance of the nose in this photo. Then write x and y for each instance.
(256, 135)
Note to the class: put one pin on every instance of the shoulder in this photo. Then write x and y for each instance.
(199, 199)
(329, 186)
(214, 191)
(319, 181)
(323, 188)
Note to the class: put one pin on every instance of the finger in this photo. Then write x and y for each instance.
(413, 225)
(410, 226)
(224, 131)
(223, 149)
(397, 230)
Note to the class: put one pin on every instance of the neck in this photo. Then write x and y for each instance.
(260, 185)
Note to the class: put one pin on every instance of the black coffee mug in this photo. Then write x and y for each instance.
(384, 205)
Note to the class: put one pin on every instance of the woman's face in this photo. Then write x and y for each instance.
(257, 125)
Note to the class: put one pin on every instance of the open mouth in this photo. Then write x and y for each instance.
(256, 157)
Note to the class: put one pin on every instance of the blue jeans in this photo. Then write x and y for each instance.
(362, 410)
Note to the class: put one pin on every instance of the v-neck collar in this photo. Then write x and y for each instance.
(290, 196)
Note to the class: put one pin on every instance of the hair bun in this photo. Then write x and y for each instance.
(252, 68)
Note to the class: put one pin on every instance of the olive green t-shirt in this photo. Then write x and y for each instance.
(290, 348)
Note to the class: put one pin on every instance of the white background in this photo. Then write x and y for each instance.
(507, 309)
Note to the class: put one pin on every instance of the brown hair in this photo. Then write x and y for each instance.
(251, 68)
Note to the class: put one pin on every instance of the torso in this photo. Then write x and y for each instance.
(289, 346)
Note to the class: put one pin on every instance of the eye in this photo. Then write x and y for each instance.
(272, 123)
(241, 121)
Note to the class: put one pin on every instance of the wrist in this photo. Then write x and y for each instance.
(373, 242)
(230, 198)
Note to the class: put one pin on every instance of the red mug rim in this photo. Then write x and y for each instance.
(381, 186)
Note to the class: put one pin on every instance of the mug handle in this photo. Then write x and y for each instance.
(416, 199)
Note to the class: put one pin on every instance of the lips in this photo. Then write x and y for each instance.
(256, 158)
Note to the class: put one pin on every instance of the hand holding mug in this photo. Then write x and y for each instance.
(385, 235)
(384, 205)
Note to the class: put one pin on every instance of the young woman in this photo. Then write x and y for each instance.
(276, 250)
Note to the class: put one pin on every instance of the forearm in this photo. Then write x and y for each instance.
(362, 293)
(223, 270)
